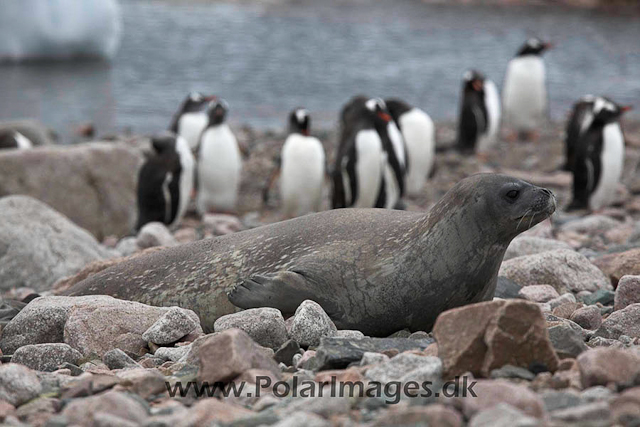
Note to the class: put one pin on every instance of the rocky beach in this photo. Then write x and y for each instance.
(559, 345)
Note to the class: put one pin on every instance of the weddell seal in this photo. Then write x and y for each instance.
(374, 270)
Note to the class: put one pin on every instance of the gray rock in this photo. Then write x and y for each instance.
(80, 322)
(503, 415)
(46, 357)
(345, 333)
(83, 411)
(627, 292)
(567, 342)
(300, 418)
(602, 296)
(338, 353)
(127, 246)
(155, 234)
(18, 384)
(588, 317)
(560, 399)
(510, 371)
(565, 270)
(507, 288)
(264, 325)
(172, 353)
(621, 322)
(538, 293)
(597, 393)
(591, 225)
(171, 326)
(405, 367)
(370, 358)
(561, 300)
(531, 245)
(589, 414)
(419, 335)
(286, 352)
(93, 184)
(118, 359)
(38, 245)
(310, 324)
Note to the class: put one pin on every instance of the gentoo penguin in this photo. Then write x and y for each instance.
(301, 168)
(165, 181)
(219, 163)
(370, 165)
(419, 136)
(577, 125)
(479, 120)
(524, 91)
(598, 157)
(191, 119)
(14, 139)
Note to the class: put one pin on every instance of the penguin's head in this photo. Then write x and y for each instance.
(196, 101)
(217, 111)
(164, 143)
(534, 46)
(473, 81)
(378, 107)
(299, 121)
(607, 111)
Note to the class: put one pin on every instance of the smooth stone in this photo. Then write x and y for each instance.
(591, 414)
(18, 384)
(118, 359)
(602, 296)
(560, 399)
(155, 234)
(510, 371)
(171, 326)
(264, 325)
(82, 411)
(601, 366)
(530, 245)
(538, 293)
(621, 322)
(404, 367)
(286, 352)
(310, 324)
(46, 357)
(507, 288)
(627, 292)
(503, 415)
(620, 264)
(567, 342)
(588, 317)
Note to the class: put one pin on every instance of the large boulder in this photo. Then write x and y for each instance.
(481, 337)
(39, 245)
(92, 324)
(530, 245)
(619, 264)
(93, 184)
(565, 270)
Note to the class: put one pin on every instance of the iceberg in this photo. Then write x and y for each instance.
(59, 29)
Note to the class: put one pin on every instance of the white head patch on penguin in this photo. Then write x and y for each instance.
(299, 121)
(534, 46)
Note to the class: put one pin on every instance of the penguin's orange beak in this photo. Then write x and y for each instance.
(626, 108)
(210, 98)
(549, 45)
(477, 85)
(384, 116)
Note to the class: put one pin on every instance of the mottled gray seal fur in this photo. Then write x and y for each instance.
(374, 270)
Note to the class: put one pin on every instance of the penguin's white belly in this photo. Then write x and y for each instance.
(219, 167)
(525, 93)
(23, 142)
(391, 187)
(187, 176)
(369, 164)
(419, 136)
(397, 142)
(611, 167)
(492, 105)
(190, 127)
(302, 175)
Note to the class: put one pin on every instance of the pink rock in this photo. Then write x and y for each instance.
(493, 392)
(538, 293)
(588, 317)
(605, 365)
(627, 292)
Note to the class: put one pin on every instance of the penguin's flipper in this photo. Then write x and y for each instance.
(285, 291)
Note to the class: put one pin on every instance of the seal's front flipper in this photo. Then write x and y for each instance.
(284, 291)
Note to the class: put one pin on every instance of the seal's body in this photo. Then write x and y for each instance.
(524, 90)
(419, 135)
(598, 157)
(219, 163)
(374, 270)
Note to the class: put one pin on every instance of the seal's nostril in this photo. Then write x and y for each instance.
(547, 192)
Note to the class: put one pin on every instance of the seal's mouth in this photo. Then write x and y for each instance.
(543, 207)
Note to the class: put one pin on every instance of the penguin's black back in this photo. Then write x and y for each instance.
(579, 114)
(587, 165)
(397, 108)
(473, 121)
(162, 167)
(8, 139)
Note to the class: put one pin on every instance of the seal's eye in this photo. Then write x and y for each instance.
(513, 194)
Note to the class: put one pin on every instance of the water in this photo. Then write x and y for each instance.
(266, 59)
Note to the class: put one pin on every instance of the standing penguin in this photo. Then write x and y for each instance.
(598, 157)
(14, 139)
(191, 119)
(370, 165)
(301, 169)
(577, 125)
(219, 163)
(165, 181)
(524, 92)
(479, 120)
(419, 137)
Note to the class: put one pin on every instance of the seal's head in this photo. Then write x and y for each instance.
(499, 206)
